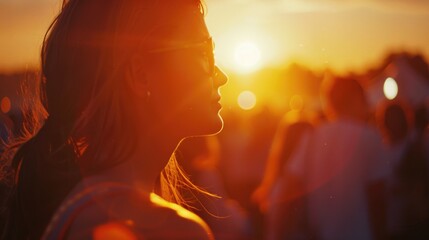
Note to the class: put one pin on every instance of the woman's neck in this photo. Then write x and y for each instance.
(142, 168)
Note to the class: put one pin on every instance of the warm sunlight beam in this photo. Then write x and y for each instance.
(247, 56)
(390, 88)
(246, 100)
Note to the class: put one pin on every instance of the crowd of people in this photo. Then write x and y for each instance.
(349, 173)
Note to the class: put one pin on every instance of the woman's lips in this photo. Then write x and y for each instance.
(216, 102)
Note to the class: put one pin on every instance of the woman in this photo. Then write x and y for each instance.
(124, 81)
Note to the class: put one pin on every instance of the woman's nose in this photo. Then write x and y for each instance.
(220, 77)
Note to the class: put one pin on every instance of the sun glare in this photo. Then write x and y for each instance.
(246, 100)
(247, 56)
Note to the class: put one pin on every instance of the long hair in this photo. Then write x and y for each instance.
(81, 113)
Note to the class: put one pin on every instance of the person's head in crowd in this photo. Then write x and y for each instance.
(344, 97)
(395, 120)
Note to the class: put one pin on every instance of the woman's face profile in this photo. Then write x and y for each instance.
(184, 90)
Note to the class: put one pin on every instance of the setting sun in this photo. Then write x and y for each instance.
(247, 56)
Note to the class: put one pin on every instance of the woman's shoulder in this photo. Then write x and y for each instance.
(133, 214)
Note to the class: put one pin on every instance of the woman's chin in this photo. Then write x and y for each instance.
(218, 126)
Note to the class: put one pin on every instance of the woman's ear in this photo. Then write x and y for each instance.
(136, 77)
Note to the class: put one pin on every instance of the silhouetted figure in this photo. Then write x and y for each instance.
(124, 81)
(279, 195)
(408, 202)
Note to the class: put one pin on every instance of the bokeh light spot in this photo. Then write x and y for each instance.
(390, 88)
(246, 100)
(5, 105)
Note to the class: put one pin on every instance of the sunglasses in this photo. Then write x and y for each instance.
(206, 47)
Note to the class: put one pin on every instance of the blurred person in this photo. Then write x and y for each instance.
(200, 157)
(260, 128)
(279, 194)
(395, 120)
(123, 83)
(408, 186)
(343, 167)
(236, 139)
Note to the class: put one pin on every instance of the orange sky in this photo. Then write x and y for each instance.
(320, 33)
